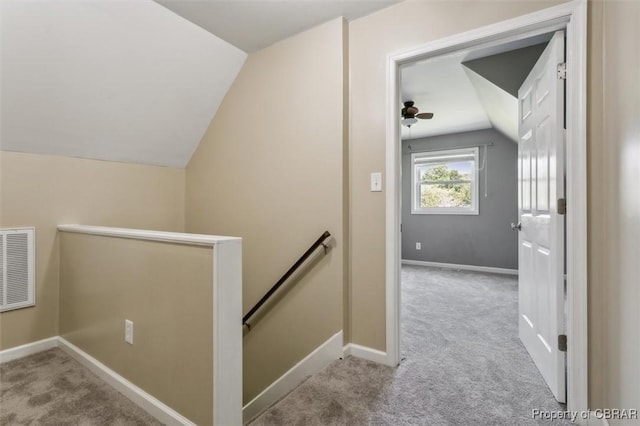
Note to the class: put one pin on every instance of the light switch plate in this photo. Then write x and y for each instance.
(376, 182)
(128, 331)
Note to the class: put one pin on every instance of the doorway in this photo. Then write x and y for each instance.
(462, 190)
(571, 18)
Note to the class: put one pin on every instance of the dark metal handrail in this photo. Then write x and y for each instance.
(319, 242)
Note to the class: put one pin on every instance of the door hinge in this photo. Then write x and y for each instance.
(562, 71)
(562, 342)
(562, 206)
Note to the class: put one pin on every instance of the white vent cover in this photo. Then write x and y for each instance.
(17, 272)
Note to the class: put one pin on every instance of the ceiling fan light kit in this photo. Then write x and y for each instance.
(409, 121)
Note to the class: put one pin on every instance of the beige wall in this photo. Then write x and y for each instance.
(615, 225)
(596, 182)
(270, 170)
(166, 290)
(371, 39)
(45, 191)
(346, 189)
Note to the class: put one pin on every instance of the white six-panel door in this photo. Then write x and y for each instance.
(541, 236)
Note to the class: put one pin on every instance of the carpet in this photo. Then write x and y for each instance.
(462, 364)
(51, 388)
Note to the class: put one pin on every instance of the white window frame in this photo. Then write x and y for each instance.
(415, 184)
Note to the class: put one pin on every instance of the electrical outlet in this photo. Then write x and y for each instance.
(418, 246)
(128, 331)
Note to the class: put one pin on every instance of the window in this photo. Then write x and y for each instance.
(445, 182)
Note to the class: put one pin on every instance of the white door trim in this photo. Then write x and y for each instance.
(573, 17)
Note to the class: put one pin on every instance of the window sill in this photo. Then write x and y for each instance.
(447, 212)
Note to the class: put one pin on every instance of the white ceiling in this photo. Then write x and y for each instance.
(253, 24)
(111, 80)
(441, 86)
(461, 100)
(500, 106)
(130, 80)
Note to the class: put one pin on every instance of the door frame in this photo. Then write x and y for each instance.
(571, 16)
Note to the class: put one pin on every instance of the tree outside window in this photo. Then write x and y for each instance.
(445, 182)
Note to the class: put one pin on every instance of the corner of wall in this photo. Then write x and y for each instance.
(597, 296)
(346, 182)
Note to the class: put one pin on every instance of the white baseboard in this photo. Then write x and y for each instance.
(150, 404)
(313, 363)
(365, 352)
(490, 269)
(28, 349)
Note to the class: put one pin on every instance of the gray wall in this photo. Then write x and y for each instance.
(481, 240)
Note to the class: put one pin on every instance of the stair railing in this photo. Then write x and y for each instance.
(319, 242)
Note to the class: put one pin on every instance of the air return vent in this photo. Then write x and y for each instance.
(17, 273)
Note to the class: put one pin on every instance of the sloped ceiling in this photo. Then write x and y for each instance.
(501, 107)
(254, 24)
(470, 89)
(111, 80)
(507, 70)
(441, 86)
(496, 80)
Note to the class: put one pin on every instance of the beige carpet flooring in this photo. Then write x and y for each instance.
(51, 388)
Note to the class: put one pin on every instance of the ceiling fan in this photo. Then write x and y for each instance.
(410, 114)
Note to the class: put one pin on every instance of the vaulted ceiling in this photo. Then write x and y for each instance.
(470, 89)
(111, 80)
(133, 81)
(254, 24)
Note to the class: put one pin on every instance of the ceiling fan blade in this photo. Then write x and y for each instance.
(411, 110)
(425, 115)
